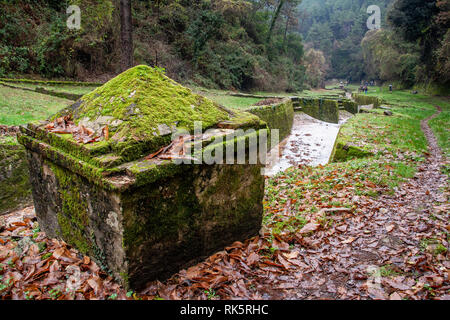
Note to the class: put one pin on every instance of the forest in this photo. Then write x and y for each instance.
(284, 45)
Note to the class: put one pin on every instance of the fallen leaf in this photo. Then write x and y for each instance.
(349, 240)
(252, 259)
(395, 296)
(309, 227)
(390, 227)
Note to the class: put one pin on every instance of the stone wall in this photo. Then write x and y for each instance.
(322, 109)
(277, 116)
(15, 189)
(350, 106)
(344, 150)
(149, 232)
(364, 100)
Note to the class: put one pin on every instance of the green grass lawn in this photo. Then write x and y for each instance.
(419, 105)
(59, 88)
(19, 107)
(222, 98)
(332, 93)
(398, 146)
(440, 126)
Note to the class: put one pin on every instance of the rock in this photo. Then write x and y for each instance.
(388, 113)
(164, 129)
(144, 218)
(15, 188)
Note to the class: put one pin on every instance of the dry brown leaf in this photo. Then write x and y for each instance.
(390, 227)
(395, 296)
(309, 227)
(252, 258)
(349, 240)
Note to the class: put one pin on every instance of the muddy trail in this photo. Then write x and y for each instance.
(393, 247)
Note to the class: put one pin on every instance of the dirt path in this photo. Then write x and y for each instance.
(393, 247)
(391, 251)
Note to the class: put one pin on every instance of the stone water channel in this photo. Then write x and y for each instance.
(308, 129)
(124, 203)
(310, 142)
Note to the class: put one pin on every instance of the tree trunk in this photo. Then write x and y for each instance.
(288, 18)
(274, 20)
(126, 34)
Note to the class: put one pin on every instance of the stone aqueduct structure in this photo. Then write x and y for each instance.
(146, 218)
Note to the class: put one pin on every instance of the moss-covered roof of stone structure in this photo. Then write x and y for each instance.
(142, 108)
(142, 103)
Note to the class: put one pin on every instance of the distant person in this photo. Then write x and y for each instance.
(365, 89)
(390, 88)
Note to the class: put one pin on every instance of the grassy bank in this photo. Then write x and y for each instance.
(421, 102)
(20, 107)
(74, 89)
(398, 146)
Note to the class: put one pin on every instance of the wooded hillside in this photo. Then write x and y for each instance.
(224, 43)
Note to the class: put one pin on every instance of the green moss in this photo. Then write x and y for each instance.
(71, 235)
(15, 189)
(143, 98)
(169, 206)
(90, 172)
(73, 204)
(125, 277)
(365, 100)
(147, 172)
(350, 106)
(279, 116)
(329, 111)
(72, 199)
(322, 109)
(73, 219)
(344, 152)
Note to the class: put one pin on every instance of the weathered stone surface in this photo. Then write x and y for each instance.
(277, 116)
(15, 189)
(362, 99)
(350, 106)
(322, 109)
(343, 152)
(145, 219)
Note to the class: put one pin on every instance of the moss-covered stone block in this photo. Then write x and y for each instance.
(278, 116)
(350, 106)
(15, 188)
(322, 109)
(364, 100)
(344, 152)
(144, 219)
